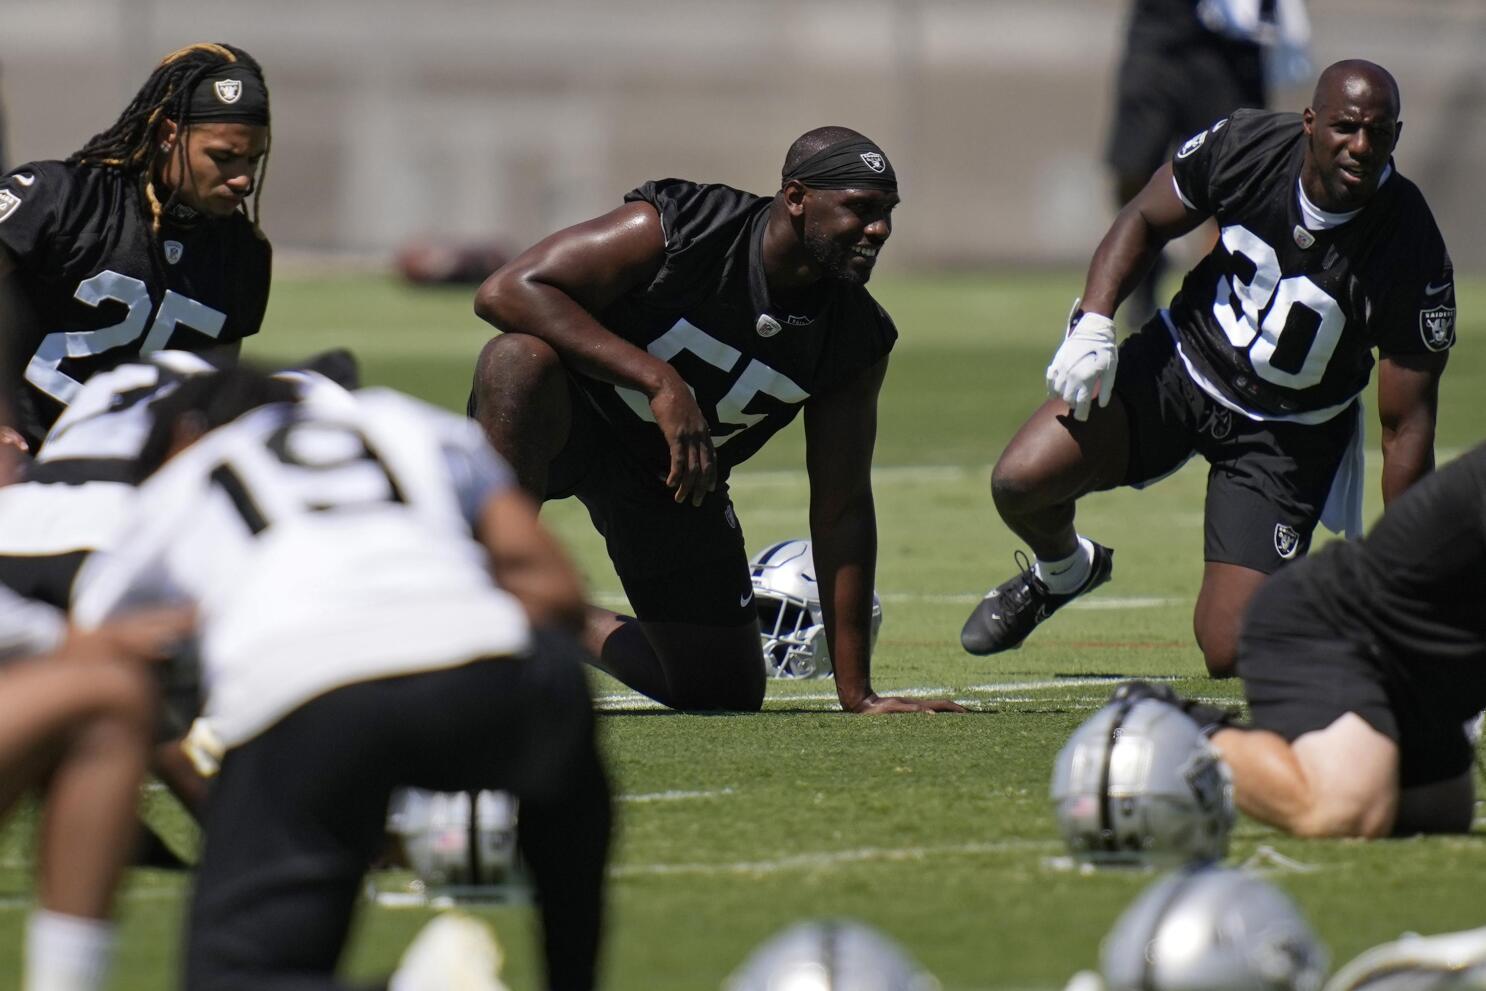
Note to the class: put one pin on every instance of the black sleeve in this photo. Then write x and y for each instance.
(696, 218)
(1418, 313)
(1196, 168)
(863, 336)
(33, 198)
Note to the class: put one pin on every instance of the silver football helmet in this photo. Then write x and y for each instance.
(1448, 962)
(788, 602)
(830, 955)
(1209, 928)
(1138, 783)
(458, 843)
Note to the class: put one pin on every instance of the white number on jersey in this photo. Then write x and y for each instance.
(44, 370)
(755, 379)
(1258, 329)
(317, 466)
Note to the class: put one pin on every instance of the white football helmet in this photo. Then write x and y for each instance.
(1448, 962)
(461, 844)
(1209, 928)
(830, 955)
(788, 602)
(1138, 783)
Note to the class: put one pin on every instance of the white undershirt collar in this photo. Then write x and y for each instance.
(1317, 219)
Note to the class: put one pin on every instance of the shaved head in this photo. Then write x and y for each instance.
(1355, 80)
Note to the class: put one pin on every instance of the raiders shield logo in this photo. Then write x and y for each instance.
(1436, 326)
(228, 90)
(767, 326)
(8, 202)
(874, 161)
(1286, 540)
(173, 251)
(1193, 143)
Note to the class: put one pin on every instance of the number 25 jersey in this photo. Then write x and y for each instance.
(98, 287)
(1280, 319)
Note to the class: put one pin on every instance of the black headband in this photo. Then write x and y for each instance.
(232, 94)
(855, 164)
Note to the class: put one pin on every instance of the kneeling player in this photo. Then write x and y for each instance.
(1362, 665)
(353, 642)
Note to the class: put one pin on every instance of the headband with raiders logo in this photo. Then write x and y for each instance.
(854, 164)
(232, 94)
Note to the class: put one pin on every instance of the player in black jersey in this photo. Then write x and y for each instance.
(1362, 666)
(142, 239)
(1326, 253)
(648, 351)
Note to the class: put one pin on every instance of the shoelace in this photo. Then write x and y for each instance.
(1021, 594)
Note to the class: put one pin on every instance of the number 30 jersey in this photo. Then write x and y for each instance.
(1280, 319)
(707, 312)
(98, 287)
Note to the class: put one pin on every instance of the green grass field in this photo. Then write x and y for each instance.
(936, 829)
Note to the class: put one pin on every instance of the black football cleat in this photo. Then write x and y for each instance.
(1012, 610)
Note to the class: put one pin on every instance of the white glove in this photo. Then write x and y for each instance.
(1084, 365)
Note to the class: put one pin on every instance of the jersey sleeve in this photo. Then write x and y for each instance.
(476, 471)
(694, 218)
(1418, 314)
(1198, 169)
(32, 200)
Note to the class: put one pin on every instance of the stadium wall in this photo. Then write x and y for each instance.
(395, 119)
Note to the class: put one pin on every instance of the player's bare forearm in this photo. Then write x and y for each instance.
(844, 543)
(1141, 229)
(1408, 405)
(528, 562)
(552, 290)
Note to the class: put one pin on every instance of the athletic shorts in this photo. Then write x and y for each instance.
(1268, 480)
(1301, 676)
(1165, 98)
(678, 563)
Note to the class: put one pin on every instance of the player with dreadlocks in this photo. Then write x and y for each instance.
(141, 240)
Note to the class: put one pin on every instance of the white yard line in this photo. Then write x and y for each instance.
(627, 700)
(673, 796)
(828, 859)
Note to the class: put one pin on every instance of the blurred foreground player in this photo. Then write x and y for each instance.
(142, 239)
(353, 641)
(1326, 253)
(647, 352)
(1362, 665)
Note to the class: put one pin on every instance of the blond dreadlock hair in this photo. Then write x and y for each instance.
(130, 146)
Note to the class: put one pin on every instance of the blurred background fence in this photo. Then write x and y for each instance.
(474, 118)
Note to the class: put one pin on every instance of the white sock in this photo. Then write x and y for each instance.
(1068, 574)
(67, 952)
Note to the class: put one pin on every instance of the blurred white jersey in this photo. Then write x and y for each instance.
(26, 627)
(322, 546)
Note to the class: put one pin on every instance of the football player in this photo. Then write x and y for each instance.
(1362, 666)
(649, 351)
(377, 607)
(1326, 253)
(141, 240)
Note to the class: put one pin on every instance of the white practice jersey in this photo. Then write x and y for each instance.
(27, 627)
(322, 546)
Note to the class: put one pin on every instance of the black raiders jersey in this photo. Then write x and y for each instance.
(98, 287)
(1413, 585)
(707, 312)
(1281, 319)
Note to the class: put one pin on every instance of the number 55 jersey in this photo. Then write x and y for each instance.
(708, 313)
(97, 286)
(1279, 320)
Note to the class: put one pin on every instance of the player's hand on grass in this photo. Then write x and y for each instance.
(878, 705)
(1084, 366)
(145, 635)
(688, 435)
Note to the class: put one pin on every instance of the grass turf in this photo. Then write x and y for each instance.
(936, 829)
